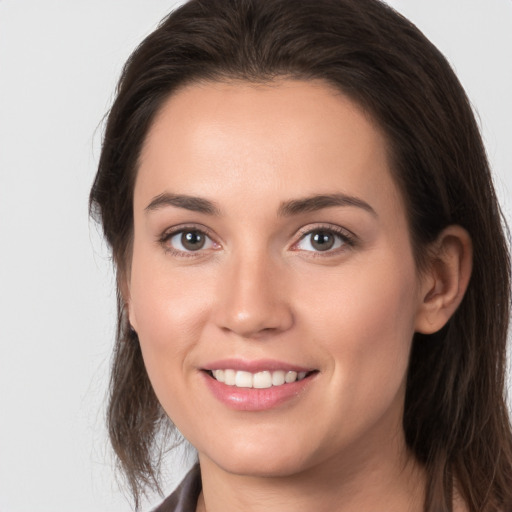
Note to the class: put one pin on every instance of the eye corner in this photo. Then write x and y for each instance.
(331, 240)
(199, 241)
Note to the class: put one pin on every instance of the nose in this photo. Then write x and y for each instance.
(252, 299)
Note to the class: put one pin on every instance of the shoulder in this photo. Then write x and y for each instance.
(184, 498)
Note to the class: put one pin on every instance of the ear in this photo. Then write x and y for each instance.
(446, 279)
(124, 289)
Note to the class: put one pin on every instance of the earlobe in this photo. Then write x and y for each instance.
(131, 315)
(124, 289)
(445, 282)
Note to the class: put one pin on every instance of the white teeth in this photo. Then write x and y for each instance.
(262, 380)
(259, 380)
(229, 377)
(277, 378)
(219, 375)
(290, 377)
(243, 380)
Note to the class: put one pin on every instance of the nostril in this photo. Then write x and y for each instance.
(250, 301)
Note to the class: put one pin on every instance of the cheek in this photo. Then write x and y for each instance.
(169, 315)
(364, 326)
(164, 300)
(364, 318)
(168, 312)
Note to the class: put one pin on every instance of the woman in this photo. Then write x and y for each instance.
(313, 277)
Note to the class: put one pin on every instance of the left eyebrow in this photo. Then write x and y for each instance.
(319, 202)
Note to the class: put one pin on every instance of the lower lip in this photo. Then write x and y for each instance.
(251, 399)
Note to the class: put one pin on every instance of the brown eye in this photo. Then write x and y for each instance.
(322, 240)
(187, 241)
(192, 240)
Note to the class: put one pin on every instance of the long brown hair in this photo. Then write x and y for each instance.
(455, 420)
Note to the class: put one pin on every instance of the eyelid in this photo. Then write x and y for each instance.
(168, 233)
(349, 238)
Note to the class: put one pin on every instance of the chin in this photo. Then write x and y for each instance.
(261, 469)
(260, 461)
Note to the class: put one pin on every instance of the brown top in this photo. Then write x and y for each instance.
(184, 498)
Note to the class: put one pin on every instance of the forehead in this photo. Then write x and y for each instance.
(288, 136)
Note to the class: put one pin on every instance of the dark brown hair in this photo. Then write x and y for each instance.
(455, 421)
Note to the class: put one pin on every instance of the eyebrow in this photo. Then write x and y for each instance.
(286, 209)
(195, 204)
(319, 202)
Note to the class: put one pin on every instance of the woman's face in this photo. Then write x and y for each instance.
(271, 245)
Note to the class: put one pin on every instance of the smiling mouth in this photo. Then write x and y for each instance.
(258, 380)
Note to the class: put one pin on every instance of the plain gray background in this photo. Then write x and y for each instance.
(59, 62)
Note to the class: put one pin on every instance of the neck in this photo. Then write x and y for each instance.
(387, 480)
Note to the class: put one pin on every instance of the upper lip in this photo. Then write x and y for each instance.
(254, 366)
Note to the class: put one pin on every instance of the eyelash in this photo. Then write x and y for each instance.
(168, 235)
(347, 238)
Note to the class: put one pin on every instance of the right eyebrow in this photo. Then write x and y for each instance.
(192, 203)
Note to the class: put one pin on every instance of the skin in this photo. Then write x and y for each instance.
(259, 289)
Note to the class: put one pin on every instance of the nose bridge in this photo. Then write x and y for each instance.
(251, 298)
